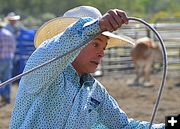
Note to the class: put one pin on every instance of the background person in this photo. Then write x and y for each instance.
(13, 25)
(7, 50)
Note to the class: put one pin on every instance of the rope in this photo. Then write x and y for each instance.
(164, 67)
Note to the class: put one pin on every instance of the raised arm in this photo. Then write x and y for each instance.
(76, 34)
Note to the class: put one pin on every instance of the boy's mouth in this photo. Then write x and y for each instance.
(94, 62)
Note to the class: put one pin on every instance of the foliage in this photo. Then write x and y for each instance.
(39, 11)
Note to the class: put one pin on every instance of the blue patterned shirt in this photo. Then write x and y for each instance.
(52, 97)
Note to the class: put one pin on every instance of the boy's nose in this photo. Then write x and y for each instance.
(101, 53)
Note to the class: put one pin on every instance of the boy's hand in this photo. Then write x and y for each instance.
(112, 20)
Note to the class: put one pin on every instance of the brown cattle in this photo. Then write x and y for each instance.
(144, 53)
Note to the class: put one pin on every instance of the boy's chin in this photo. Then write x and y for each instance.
(92, 71)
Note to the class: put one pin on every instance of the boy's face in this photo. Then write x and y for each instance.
(90, 56)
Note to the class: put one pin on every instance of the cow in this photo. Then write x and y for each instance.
(143, 55)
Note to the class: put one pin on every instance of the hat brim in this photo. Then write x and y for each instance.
(59, 24)
(2, 24)
(17, 17)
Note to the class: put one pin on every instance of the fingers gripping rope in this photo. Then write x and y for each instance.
(163, 76)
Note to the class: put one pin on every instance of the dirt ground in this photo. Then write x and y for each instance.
(136, 101)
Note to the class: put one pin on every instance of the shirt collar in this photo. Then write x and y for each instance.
(72, 74)
(88, 79)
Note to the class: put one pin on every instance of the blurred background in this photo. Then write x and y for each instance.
(36, 12)
(117, 71)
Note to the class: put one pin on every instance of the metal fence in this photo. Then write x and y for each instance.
(118, 58)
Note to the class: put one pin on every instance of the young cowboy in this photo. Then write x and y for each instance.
(63, 94)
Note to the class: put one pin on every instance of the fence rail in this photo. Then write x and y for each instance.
(118, 58)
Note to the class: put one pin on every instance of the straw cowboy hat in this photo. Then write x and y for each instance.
(12, 16)
(59, 24)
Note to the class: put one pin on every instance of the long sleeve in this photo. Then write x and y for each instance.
(115, 118)
(75, 35)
